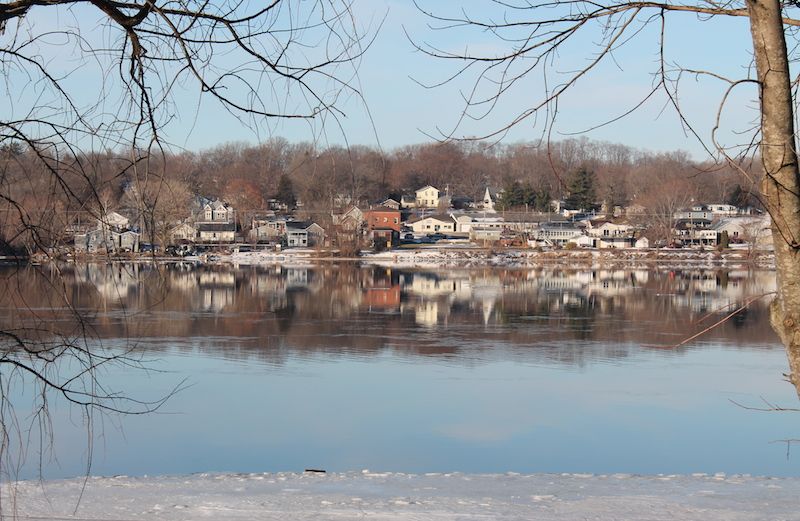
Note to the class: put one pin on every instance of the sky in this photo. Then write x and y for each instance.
(394, 108)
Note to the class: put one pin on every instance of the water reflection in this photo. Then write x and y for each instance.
(265, 312)
(344, 367)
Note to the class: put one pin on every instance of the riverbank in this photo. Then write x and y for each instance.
(453, 256)
(395, 496)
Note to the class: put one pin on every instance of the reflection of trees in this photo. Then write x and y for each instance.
(268, 312)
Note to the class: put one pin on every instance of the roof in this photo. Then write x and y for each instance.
(428, 186)
(300, 225)
(493, 192)
(383, 209)
(438, 217)
(560, 225)
(216, 227)
(217, 204)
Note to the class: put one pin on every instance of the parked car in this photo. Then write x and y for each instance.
(146, 247)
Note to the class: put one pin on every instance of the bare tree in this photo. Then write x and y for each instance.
(531, 37)
(87, 77)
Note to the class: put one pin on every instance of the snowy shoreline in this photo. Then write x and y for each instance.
(398, 496)
(454, 257)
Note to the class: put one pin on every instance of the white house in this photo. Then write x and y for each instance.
(217, 211)
(465, 222)
(216, 232)
(304, 234)
(755, 231)
(607, 234)
(351, 219)
(184, 232)
(390, 203)
(114, 221)
(427, 197)
(558, 233)
(433, 224)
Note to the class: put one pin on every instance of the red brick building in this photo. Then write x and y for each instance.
(383, 218)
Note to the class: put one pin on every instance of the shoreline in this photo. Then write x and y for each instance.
(399, 496)
(460, 257)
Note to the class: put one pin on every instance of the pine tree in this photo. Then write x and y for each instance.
(285, 193)
(580, 186)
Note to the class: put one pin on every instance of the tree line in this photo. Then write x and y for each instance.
(162, 188)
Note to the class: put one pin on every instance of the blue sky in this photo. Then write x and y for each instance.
(396, 110)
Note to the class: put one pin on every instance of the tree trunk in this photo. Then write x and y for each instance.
(781, 184)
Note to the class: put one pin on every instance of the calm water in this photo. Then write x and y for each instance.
(343, 368)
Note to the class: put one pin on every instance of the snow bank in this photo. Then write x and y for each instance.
(394, 496)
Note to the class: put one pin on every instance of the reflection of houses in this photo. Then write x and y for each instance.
(432, 286)
(113, 282)
(217, 289)
(382, 299)
(427, 313)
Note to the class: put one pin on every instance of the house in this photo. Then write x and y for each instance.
(427, 197)
(351, 219)
(184, 232)
(482, 234)
(384, 238)
(691, 231)
(217, 211)
(558, 233)
(268, 230)
(106, 241)
(383, 218)
(408, 201)
(216, 232)
(466, 223)
(433, 224)
(113, 221)
(723, 210)
(609, 234)
(262, 219)
(301, 234)
(491, 196)
(390, 203)
(754, 231)
(110, 235)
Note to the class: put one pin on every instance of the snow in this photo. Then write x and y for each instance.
(397, 496)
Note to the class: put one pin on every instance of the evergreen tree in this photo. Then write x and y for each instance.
(738, 197)
(285, 193)
(580, 186)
